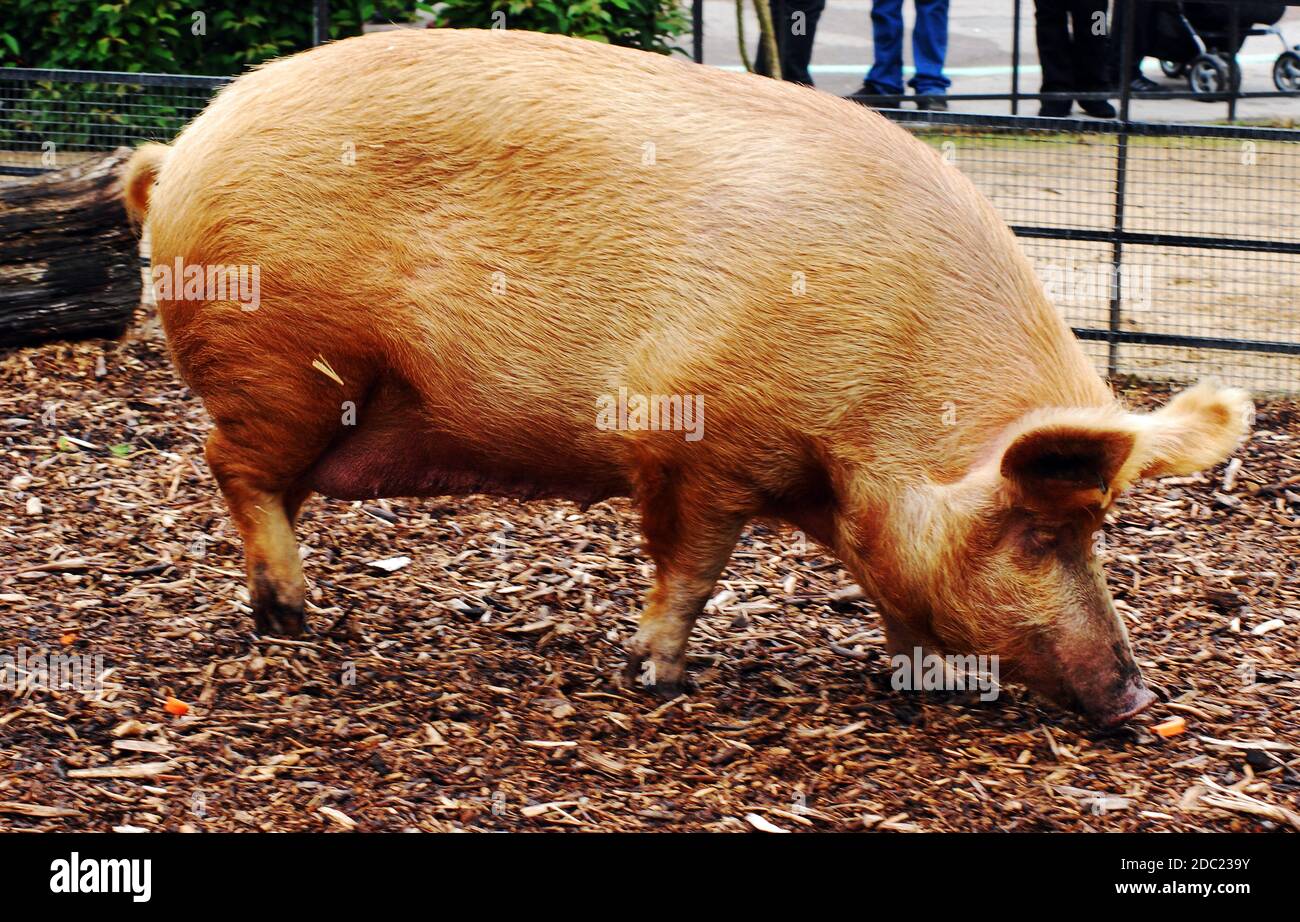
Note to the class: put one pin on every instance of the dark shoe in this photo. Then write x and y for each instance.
(932, 103)
(873, 96)
(1143, 85)
(1055, 108)
(1097, 108)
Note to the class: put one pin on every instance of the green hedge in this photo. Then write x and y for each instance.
(652, 25)
(225, 36)
(173, 36)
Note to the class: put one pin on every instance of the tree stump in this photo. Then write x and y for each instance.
(69, 262)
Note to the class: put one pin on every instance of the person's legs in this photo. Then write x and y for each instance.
(795, 24)
(1089, 44)
(1052, 30)
(796, 31)
(1143, 24)
(1088, 54)
(886, 74)
(930, 47)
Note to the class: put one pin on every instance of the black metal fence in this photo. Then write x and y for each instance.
(1205, 53)
(1173, 251)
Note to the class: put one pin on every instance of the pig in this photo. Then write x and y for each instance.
(468, 242)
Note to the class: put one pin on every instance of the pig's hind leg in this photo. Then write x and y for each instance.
(690, 531)
(263, 504)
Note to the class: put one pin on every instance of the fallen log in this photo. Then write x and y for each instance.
(69, 262)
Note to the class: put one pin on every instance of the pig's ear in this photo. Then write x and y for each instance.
(1197, 429)
(1067, 462)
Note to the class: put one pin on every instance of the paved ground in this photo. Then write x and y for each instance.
(979, 56)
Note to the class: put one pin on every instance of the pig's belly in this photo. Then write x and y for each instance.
(397, 451)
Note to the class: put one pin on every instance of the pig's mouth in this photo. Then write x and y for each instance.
(1135, 699)
(1135, 702)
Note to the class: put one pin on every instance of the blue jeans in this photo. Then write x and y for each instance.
(929, 46)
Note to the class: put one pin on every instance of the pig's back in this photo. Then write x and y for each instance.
(542, 215)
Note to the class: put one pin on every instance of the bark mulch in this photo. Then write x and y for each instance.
(473, 688)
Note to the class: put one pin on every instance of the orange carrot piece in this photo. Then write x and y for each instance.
(1171, 727)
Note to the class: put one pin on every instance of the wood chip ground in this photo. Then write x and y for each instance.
(473, 687)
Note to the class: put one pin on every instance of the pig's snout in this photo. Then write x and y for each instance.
(1107, 690)
(1113, 693)
(1135, 699)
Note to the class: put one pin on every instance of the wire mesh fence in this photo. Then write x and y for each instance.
(1173, 251)
(50, 119)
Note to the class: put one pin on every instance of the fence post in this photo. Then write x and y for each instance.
(1015, 61)
(1121, 179)
(697, 31)
(1234, 66)
(320, 22)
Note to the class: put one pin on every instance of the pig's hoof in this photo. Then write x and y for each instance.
(278, 620)
(667, 691)
(661, 680)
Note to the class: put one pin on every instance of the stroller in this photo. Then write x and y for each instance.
(1195, 41)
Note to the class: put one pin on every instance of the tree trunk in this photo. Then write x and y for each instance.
(69, 262)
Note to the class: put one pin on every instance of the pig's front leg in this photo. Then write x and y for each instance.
(690, 537)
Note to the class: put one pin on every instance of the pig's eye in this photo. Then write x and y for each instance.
(1038, 540)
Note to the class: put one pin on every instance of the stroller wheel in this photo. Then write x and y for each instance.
(1286, 72)
(1208, 75)
(1173, 69)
